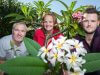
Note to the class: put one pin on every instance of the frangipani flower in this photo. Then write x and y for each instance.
(43, 52)
(73, 60)
(65, 51)
(78, 46)
(56, 55)
(77, 72)
(59, 42)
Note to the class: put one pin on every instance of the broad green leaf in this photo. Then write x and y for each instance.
(32, 46)
(12, 15)
(19, 17)
(24, 66)
(92, 62)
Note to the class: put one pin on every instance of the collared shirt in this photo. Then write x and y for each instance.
(40, 37)
(95, 43)
(7, 52)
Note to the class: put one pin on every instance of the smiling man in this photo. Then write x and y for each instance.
(13, 45)
(16, 44)
(91, 27)
(91, 40)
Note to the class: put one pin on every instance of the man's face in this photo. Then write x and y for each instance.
(19, 33)
(90, 22)
(48, 23)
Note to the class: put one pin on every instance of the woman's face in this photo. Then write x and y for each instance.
(48, 23)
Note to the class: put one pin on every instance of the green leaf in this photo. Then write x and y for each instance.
(73, 5)
(59, 17)
(92, 56)
(63, 4)
(24, 70)
(92, 62)
(92, 66)
(32, 46)
(11, 15)
(19, 17)
(24, 10)
(24, 66)
(81, 8)
(48, 3)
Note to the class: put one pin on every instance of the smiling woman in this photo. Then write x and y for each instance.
(49, 27)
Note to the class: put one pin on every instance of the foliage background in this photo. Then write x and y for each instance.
(13, 11)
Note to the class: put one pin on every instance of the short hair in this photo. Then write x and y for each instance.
(99, 15)
(19, 23)
(92, 10)
(51, 14)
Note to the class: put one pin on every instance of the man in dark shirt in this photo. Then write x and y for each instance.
(90, 24)
(94, 46)
(91, 40)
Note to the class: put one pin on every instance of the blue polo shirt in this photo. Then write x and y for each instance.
(7, 52)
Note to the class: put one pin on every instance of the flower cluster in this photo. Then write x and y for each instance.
(69, 52)
(78, 16)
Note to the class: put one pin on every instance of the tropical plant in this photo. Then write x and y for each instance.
(67, 21)
(31, 14)
(7, 7)
(42, 8)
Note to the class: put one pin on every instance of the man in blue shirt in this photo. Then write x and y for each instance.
(13, 45)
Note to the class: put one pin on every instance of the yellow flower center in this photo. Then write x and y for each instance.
(46, 50)
(56, 55)
(75, 73)
(59, 45)
(73, 58)
(76, 46)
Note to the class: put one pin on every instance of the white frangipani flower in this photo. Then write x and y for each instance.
(56, 55)
(73, 60)
(65, 51)
(43, 52)
(59, 42)
(76, 45)
(77, 72)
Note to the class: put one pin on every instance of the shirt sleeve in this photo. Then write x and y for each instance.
(39, 37)
(2, 51)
